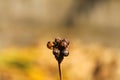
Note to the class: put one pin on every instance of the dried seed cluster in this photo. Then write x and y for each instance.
(59, 47)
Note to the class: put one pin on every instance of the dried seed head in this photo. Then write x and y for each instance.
(59, 47)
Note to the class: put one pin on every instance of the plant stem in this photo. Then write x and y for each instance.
(59, 71)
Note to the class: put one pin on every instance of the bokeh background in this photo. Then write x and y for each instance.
(91, 26)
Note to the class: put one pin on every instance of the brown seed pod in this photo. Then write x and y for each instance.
(64, 44)
(56, 52)
(66, 41)
(58, 40)
(65, 52)
(50, 45)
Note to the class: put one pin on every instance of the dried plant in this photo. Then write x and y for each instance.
(60, 50)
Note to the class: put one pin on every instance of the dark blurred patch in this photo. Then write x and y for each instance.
(22, 65)
(78, 8)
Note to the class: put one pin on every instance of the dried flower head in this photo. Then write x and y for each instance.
(60, 50)
(59, 47)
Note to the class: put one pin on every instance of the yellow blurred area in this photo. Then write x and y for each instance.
(20, 62)
(37, 63)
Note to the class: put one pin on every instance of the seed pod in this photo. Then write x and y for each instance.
(66, 41)
(64, 44)
(56, 52)
(50, 45)
(58, 40)
(65, 52)
(55, 44)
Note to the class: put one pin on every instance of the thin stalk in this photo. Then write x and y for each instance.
(60, 75)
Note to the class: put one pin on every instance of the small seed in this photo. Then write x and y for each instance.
(50, 45)
(66, 41)
(58, 40)
(56, 52)
(64, 44)
(65, 52)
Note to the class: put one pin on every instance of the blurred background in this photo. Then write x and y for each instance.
(91, 26)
